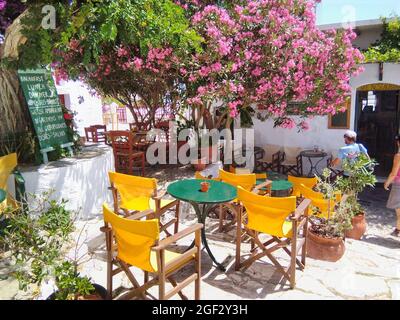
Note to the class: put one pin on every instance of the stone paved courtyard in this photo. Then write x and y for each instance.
(370, 268)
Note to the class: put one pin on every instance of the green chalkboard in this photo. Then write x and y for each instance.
(45, 109)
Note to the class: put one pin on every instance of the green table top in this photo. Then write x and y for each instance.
(2, 195)
(189, 190)
(278, 185)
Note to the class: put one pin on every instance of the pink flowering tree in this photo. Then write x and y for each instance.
(267, 58)
(134, 58)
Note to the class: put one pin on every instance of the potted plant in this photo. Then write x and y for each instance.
(72, 286)
(326, 235)
(36, 237)
(360, 175)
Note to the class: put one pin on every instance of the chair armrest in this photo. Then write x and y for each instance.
(267, 183)
(160, 194)
(105, 229)
(140, 215)
(300, 209)
(181, 234)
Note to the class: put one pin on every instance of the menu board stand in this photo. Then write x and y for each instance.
(64, 145)
(45, 109)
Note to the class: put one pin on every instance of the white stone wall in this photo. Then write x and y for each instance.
(88, 112)
(82, 180)
(328, 139)
(368, 37)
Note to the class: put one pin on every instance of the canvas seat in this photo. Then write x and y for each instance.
(325, 206)
(292, 162)
(282, 221)
(271, 159)
(133, 193)
(133, 242)
(247, 182)
(199, 176)
(8, 166)
(298, 181)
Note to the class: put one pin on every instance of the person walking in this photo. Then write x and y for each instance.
(394, 180)
(351, 149)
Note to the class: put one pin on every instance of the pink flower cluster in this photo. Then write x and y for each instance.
(288, 59)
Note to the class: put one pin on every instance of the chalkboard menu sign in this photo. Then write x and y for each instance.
(45, 109)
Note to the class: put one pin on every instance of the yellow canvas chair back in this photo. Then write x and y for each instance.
(247, 171)
(199, 176)
(135, 192)
(134, 238)
(7, 165)
(267, 214)
(318, 200)
(298, 181)
(246, 181)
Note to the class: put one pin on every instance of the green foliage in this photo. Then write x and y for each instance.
(341, 220)
(57, 153)
(361, 175)
(375, 55)
(24, 144)
(35, 237)
(387, 49)
(101, 25)
(336, 224)
(70, 284)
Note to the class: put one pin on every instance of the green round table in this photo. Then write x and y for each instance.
(3, 195)
(279, 188)
(203, 202)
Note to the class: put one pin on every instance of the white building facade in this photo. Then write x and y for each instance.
(373, 112)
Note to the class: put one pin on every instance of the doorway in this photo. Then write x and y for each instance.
(377, 122)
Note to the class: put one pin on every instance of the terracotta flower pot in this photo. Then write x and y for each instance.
(359, 227)
(199, 164)
(321, 248)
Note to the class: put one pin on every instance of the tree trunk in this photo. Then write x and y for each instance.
(15, 124)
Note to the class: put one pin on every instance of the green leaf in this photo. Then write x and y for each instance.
(109, 30)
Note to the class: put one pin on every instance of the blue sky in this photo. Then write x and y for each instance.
(337, 11)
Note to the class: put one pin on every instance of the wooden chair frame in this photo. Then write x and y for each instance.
(295, 169)
(259, 249)
(164, 271)
(334, 172)
(157, 197)
(100, 132)
(125, 157)
(274, 165)
(90, 134)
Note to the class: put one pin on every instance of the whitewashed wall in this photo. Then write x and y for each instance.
(82, 180)
(368, 37)
(319, 134)
(89, 112)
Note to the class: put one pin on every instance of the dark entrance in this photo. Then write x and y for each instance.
(377, 122)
